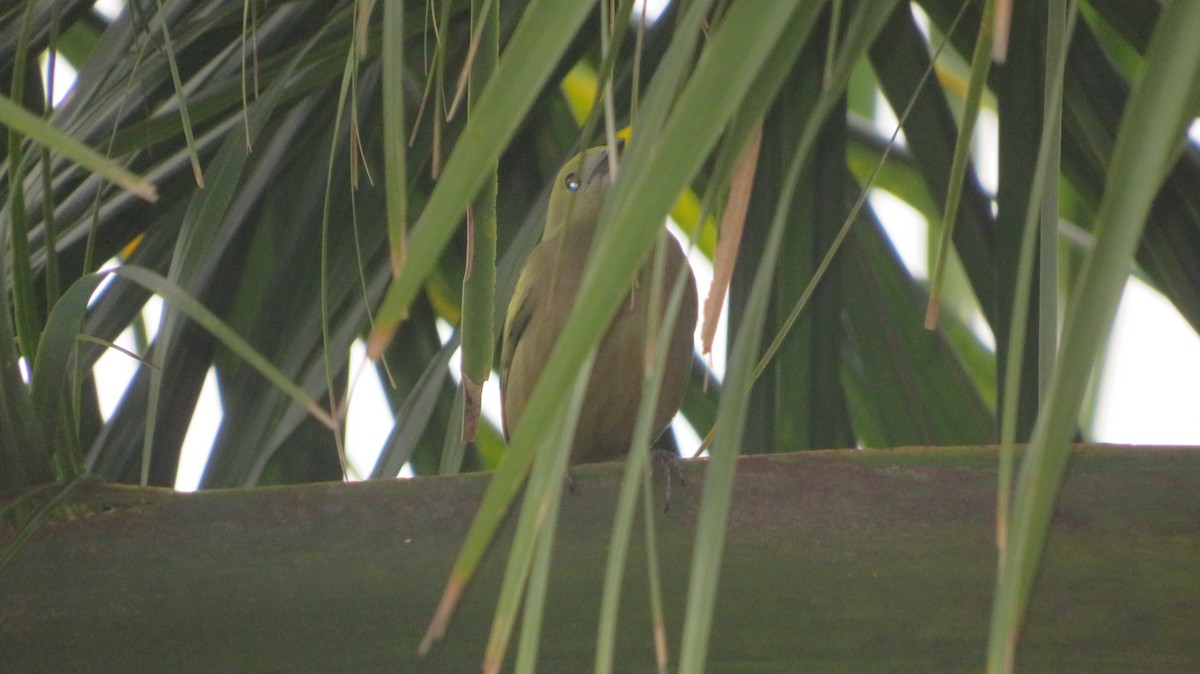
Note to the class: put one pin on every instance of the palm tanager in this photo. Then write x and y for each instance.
(543, 298)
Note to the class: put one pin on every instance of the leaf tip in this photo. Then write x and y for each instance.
(378, 341)
(445, 610)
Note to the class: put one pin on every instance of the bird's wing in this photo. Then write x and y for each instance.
(520, 312)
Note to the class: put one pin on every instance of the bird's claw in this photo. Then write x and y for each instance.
(671, 463)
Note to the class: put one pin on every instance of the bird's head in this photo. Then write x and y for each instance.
(578, 192)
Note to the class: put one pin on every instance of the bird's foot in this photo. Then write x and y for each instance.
(671, 464)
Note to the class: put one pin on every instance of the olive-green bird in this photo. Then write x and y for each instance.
(543, 298)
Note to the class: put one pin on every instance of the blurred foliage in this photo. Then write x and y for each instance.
(288, 230)
(261, 127)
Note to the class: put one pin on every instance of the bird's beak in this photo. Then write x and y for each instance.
(602, 165)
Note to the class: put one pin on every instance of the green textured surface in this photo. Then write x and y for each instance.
(836, 561)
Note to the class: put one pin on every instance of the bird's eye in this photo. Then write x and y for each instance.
(572, 182)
